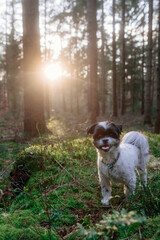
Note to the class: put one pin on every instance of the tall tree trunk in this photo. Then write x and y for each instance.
(64, 105)
(71, 80)
(47, 83)
(12, 68)
(77, 70)
(6, 59)
(34, 121)
(123, 59)
(92, 57)
(114, 65)
(157, 122)
(148, 101)
(134, 96)
(103, 82)
(132, 70)
(45, 30)
(63, 97)
(142, 93)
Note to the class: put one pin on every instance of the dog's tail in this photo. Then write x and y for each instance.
(139, 140)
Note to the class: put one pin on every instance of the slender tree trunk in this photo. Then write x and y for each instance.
(157, 122)
(13, 87)
(48, 99)
(34, 121)
(134, 96)
(71, 80)
(77, 71)
(142, 93)
(47, 84)
(62, 84)
(132, 75)
(6, 58)
(103, 82)
(92, 57)
(71, 96)
(148, 101)
(45, 30)
(63, 99)
(114, 65)
(123, 59)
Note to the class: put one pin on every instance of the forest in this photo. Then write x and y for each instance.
(64, 66)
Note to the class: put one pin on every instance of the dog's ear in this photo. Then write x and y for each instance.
(119, 127)
(90, 130)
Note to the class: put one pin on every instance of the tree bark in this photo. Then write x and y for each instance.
(142, 94)
(77, 70)
(148, 101)
(92, 57)
(34, 121)
(123, 59)
(103, 82)
(114, 64)
(157, 122)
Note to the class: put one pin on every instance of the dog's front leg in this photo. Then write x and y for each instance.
(105, 188)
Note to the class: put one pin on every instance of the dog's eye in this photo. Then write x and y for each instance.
(112, 135)
(99, 135)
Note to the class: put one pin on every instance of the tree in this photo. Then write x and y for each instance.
(148, 101)
(12, 62)
(123, 58)
(114, 64)
(34, 121)
(143, 58)
(103, 82)
(157, 122)
(92, 58)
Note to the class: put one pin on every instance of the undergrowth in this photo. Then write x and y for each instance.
(54, 186)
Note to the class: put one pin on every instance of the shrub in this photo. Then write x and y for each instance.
(112, 225)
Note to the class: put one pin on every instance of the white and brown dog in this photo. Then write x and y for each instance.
(117, 161)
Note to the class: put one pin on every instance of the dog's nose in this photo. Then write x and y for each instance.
(105, 141)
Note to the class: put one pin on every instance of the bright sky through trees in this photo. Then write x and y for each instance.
(53, 71)
(56, 35)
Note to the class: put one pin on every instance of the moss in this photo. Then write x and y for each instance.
(21, 225)
(63, 188)
(8, 232)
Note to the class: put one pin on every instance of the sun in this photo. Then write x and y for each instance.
(53, 71)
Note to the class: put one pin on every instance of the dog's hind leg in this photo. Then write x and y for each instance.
(105, 188)
(142, 171)
(141, 168)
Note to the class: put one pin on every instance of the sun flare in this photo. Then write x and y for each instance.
(53, 71)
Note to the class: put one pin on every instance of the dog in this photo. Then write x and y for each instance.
(117, 161)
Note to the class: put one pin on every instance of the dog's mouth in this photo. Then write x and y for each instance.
(106, 148)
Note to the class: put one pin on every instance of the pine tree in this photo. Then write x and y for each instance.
(34, 121)
(148, 101)
(103, 81)
(114, 64)
(123, 57)
(157, 122)
(92, 57)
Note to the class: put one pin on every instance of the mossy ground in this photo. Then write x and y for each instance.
(63, 190)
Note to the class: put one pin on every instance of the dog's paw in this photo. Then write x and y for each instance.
(105, 202)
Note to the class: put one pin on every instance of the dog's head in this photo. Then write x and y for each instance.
(106, 135)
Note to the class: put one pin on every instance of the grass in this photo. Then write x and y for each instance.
(62, 190)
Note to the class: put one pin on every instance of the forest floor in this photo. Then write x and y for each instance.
(49, 186)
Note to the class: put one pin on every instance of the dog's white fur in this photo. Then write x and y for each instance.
(132, 154)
